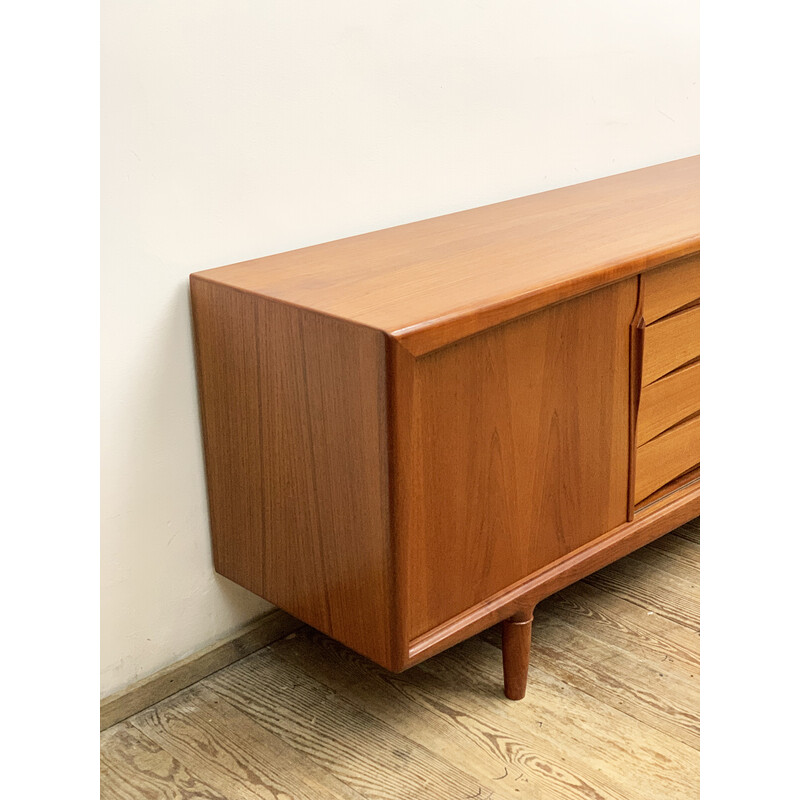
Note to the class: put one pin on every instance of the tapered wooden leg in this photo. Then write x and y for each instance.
(516, 653)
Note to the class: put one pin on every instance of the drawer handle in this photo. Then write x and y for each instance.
(636, 373)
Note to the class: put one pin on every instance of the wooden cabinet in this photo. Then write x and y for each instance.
(413, 434)
(667, 409)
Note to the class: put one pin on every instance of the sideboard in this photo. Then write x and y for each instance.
(414, 434)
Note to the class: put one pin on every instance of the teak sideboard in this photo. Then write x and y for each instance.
(413, 434)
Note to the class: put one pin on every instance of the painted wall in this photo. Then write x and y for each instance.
(239, 128)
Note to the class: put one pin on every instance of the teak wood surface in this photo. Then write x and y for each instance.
(295, 420)
(520, 438)
(433, 282)
(414, 434)
(670, 343)
(671, 454)
(670, 287)
(668, 401)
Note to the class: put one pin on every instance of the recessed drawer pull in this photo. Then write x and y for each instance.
(666, 457)
(669, 288)
(667, 401)
(670, 343)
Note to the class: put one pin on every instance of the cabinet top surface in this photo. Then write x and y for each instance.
(432, 282)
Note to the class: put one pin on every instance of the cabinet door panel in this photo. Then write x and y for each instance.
(520, 450)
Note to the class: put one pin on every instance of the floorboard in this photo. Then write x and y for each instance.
(612, 710)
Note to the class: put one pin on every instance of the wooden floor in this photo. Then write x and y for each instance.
(612, 711)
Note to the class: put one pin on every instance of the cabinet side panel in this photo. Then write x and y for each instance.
(227, 376)
(322, 385)
(521, 439)
(295, 435)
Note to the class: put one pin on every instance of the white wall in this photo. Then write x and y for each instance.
(238, 128)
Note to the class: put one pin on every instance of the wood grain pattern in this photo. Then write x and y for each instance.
(685, 553)
(675, 599)
(226, 341)
(121, 705)
(667, 401)
(516, 652)
(610, 714)
(670, 343)
(415, 433)
(528, 592)
(325, 494)
(362, 752)
(421, 712)
(133, 766)
(230, 752)
(499, 420)
(660, 763)
(560, 743)
(665, 495)
(427, 285)
(294, 412)
(668, 455)
(670, 287)
(606, 616)
(657, 690)
(687, 567)
(690, 531)
(645, 691)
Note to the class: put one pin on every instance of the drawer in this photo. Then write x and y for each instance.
(670, 343)
(667, 401)
(669, 288)
(666, 457)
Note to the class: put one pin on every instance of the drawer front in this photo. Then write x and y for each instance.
(666, 457)
(669, 288)
(667, 401)
(670, 343)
